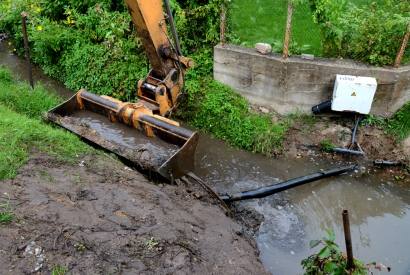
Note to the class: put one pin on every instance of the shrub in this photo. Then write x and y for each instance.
(369, 34)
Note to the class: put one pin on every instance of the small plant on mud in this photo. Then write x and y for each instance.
(6, 215)
(151, 243)
(80, 247)
(327, 145)
(59, 270)
(330, 259)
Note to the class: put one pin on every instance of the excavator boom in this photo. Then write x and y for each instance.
(140, 131)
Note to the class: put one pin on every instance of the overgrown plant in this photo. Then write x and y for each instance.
(330, 260)
(371, 34)
(6, 213)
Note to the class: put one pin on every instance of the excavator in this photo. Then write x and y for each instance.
(141, 131)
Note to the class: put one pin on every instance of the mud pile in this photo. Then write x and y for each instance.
(100, 217)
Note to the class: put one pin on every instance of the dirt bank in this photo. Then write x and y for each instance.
(307, 136)
(100, 217)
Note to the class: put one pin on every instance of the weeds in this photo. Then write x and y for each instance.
(326, 145)
(399, 124)
(19, 97)
(59, 270)
(6, 214)
(151, 243)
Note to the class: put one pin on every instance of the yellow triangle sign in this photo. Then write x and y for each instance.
(354, 93)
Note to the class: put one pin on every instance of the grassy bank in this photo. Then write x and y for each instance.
(21, 128)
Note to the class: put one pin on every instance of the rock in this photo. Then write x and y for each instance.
(263, 48)
(307, 56)
(264, 110)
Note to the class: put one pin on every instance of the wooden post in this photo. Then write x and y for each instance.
(348, 240)
(288, 30)
(403, 47)
(27, 48)
(223, 24)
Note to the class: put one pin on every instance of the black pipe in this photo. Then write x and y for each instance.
(285, 185)
(322, 107)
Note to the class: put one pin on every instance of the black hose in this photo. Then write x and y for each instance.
(285, 185)
(322, 107)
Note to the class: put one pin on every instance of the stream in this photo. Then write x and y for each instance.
(379, 206)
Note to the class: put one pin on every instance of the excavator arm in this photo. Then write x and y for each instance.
(165, 81)
(155, 142)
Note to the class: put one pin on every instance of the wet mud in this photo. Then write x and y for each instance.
(100, 217)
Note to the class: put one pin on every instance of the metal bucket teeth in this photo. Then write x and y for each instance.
(129, 130)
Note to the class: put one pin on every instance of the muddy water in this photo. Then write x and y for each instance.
(379, 206)
(19, 67)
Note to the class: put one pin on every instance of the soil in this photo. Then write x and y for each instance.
(98, 216)
(305, 138)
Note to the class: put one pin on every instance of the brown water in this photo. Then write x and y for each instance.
(379, 206)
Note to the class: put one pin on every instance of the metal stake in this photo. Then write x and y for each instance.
(27, 49)
(348, 239)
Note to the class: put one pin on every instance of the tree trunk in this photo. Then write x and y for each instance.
(402, 48)
(288, 31)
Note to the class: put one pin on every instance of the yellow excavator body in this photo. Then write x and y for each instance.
(140, 131)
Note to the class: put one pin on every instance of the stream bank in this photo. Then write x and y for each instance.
(284, 224)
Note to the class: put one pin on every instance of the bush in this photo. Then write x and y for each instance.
(369, 34)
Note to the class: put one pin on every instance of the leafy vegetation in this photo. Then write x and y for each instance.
(326, 145)
(94, 46)
(6, 214)
(20, 133)
(371, 33)
(330, 259)
(367, 30)
(59, 270)
(398, 125)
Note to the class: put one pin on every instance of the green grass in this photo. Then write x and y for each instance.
(24, 131)
(254, 21)
(399, 124)
(59, 270)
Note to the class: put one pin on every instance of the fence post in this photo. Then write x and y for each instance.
(402, 48)
(223, 24)
(348, 240)
(27, 48)
(288, 30)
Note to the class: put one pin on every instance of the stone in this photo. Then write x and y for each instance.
(264, 110)
(307, 56)
(263, 48)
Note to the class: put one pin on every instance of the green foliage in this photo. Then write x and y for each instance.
(251, 23)
(330, 260)
(326, 145)
(59, 270)
(399, 124)
(20, 98)
(225, 114)
(371, 33)
(92, 46)
(6, 213)
(21, 133)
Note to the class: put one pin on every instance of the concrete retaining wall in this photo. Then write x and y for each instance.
(298, 84)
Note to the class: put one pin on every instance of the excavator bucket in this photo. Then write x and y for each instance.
(130, 130)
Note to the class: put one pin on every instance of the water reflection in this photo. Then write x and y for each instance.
(379, 208)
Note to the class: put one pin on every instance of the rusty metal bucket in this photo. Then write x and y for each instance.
(131, 131)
